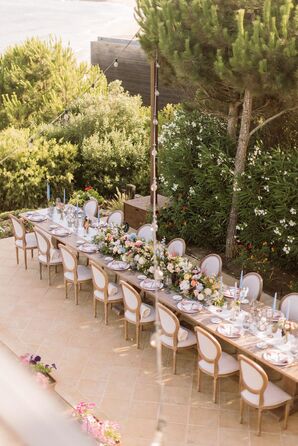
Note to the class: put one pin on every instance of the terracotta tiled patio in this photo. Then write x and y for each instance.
(95, 363)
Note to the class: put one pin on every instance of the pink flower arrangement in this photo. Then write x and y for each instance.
(104, 431)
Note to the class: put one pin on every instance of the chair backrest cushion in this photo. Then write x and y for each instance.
(176, 247)
(131, 297)
(69, 260)
(99, 277)
(90, 208)
(292, 300)
(168, 321)
(252, 378)
(254, 283)
(208, 346)
(42, 243)
(116, 218)
(145, 232)
(211, 265)
(18, 227)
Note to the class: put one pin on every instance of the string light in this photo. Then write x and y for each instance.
(116, 63)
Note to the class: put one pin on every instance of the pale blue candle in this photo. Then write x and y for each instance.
(288, 310)
(220, 284)
(48, 191)
(241, 280)
(64, 196)
(98, 215)
(274, 302)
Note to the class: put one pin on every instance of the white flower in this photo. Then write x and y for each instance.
(207, 291)
(260, 211)
(290, 239)
(193, 124)
(293, 211)
(170, 267)
(200, 296)
(260, 198)
(276, 231)
(184, 285)
(191, 191)
(174, 187)
(292, 223)
(286, 249)
(199, 286)
(266, 188)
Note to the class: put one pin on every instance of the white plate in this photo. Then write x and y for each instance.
(108, 259)
(229, 331)
(53, 226)
(244, 301)
(88, 248)
(141, 277)
(189, 307)
(80, 242)
(151, 285)
(60, 232)
(276, 357)
(177, 297)
(216, 320)
(118, 265)
(262, 345)
(37, 217)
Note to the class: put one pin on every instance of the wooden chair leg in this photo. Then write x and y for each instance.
(287, 411)
(31, 253)
(76, 287)
(241, 410)
(138, 335)
(174, 361)
(259, 422)
(17, 255)
(199, 380)
(214, 389)
(125, 329)
(25, 258)
(40, 271)
(106, 305)
(49, 266)
(66, 288)
(56, 269)
(95, 307)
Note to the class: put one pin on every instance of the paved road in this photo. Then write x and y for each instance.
(76, 22)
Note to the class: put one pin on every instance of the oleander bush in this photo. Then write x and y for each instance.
(196, 171)
(27, 166)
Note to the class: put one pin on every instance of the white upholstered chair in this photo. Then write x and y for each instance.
(90, 208)
(73, 273)
(47, 255)
(104, 291)
(145, 232)
(135, 312)
(292, 300)
(174, 337)
(23, 240)
(212, 360)
(116, 218)
(254, 283)
(177, 247)
(257, 391)
(211, 265)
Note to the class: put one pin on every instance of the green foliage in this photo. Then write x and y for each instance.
(117, 202)
(28, 166)
(112, 134)
(80, 197)
(196, 165)
(39, 79)
(196, 171)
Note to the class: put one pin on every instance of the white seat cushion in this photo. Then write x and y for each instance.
(114, 293)
(226, 364)
(55, 257)
(188, 342)
(84, 274)
(30, 241)
(273, 396)
(131, 317)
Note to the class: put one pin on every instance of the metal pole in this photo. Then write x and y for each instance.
(154, 93)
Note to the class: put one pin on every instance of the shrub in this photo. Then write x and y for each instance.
(195, 170)
(38, 79)
(80, 197)
(28, 166)
(113, 137)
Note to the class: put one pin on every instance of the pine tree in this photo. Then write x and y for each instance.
(241, 56)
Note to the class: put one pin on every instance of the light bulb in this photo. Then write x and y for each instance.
(154, 227)
(154, 152)
(156, 93)
(116, 63)
(154, 187)
(155, 121)
(157, 65)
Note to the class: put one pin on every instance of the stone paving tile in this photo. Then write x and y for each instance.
(95, 363)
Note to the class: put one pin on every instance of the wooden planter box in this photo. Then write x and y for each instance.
(138, 210)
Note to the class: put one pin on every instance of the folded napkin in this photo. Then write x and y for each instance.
(112, 289)
(145, 311)
(182, 334)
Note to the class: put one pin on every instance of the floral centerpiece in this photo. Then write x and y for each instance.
(197, 285)
(111, 240)
(105, 432)
(42, 371)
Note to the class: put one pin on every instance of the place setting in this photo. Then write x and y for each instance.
(189, 307)
(118, 265)
(88, 248)
(151, 284)
(36, 217)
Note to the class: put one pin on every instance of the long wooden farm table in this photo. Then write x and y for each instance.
(245, 344)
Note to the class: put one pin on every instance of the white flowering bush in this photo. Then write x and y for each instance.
(196, 171)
